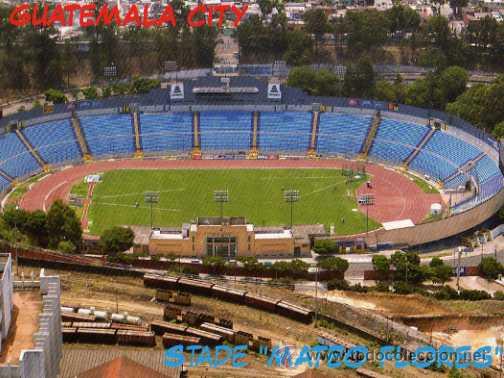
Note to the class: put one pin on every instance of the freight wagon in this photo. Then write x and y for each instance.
(96, 336)
(125, 337)
(227, 333)
(171, 339)
(160, 327)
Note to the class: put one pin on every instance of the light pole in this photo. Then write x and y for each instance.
(151, 198)
(367, 200)
(291, 196)
(221, 197)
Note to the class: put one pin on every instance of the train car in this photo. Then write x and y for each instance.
(205, 336)
(161, 282)
(198, 287)
(171, 312)
(125, 337)
(163, 295)
(243, 338)
(129, 327)
(91, 325)
(69, 334)
(191, 318)
(295, 312)
(261, 302)
(96, 336)
(160, 327)
(66, 324)
(171, 339)
(226, 323)
(228, 294)
(74, 317)
(182, 299)
(227, 333)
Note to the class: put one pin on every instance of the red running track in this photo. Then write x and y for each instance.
(396, 196)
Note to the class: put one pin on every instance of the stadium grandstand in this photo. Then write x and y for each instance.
(242, 117)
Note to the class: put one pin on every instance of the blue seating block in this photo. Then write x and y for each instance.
(55, 141)
(166, 132)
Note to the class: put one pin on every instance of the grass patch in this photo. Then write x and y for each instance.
(80, 190)
(424, 185)
(256, 194)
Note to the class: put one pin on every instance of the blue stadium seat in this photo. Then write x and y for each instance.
(4, 184)
(284, 132)
(166, 132)
(225, 131)
(442, 155)
(15, 159)
(109, 135)
(395, 140)
(55, 141)
(342, 133)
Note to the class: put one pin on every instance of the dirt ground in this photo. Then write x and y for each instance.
(24, 324)
(128, 294)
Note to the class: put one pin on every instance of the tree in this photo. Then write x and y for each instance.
(334, 264)
(69, 61)
(36, 228)
(204, 40)
(90, 93)
(403, 19)
(116, 240)
(316, 24)
(452, 83)
(490, 268)
(498, 131)
(300, 48)
(471, 105)
(365, 31)
(63, 224)
(55, 96)
(440, 272)
(318, 83)
(381, 265)
(359, 79)
(407, 267)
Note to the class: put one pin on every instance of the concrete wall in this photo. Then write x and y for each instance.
(6, 292)
(432, 231)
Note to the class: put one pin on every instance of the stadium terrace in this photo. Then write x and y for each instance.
(89, 15)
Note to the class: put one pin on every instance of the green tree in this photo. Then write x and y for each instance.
(204, 40)
(452, 83)
(440, 272)
(498, 131)
(316, 24)
(55, 96)
(365, 31)
(90, 93)
(116, 240)
(490, 268)
(334, 264)
(36, 228)
(359, 79)
(300, 48)
(63, 224)
(381, 265)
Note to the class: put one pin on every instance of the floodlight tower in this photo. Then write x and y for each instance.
(151, 198)
(291, 196)
(221, 197)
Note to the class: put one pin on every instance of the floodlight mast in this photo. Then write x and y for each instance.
(221, 197)
(291, 196)
(151, 198)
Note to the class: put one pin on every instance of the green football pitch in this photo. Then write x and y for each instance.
(326, 196)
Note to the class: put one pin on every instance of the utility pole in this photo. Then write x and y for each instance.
(458, 269)
(316, 294)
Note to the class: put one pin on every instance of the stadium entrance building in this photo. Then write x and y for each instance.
(227, 237)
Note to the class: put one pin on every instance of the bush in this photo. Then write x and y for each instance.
(401, 287)
(337, 284)
(55, 96)
(142, 85)
(325, 247)
(474, 295)
(90, 93)
(66, 246)
(446, 293)
(499, 295)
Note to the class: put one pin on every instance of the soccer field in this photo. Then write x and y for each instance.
(257, 194)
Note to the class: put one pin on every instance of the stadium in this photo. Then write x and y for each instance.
(364, 172)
